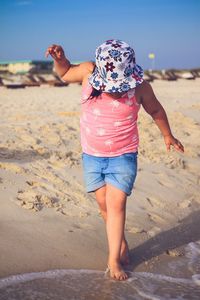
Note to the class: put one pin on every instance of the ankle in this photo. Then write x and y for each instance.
(113, 262)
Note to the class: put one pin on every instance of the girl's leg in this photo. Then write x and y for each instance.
(101, 200)
(100, 195)
(116, 213)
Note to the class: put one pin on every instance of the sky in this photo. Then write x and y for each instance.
(168, 28)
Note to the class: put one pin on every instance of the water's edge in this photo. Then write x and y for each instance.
(89, 284)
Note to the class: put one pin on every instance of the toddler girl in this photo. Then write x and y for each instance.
(113, 90)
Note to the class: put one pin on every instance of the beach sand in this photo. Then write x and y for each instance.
(48, 221)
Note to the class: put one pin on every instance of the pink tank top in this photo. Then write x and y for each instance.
(109, 126)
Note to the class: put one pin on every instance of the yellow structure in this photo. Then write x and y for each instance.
(151, 55)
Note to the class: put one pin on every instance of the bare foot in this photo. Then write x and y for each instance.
(124, 255)
(116, 271)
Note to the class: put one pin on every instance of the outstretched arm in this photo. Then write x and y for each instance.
(65, 70)
(153, 107)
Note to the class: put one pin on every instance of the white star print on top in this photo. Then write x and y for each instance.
(101, 131)
(109, 126)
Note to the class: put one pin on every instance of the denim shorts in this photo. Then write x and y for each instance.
(119, 171)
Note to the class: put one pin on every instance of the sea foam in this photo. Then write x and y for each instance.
(95, 285)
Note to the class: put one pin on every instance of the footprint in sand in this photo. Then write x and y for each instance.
(32, 183)
(59, 159)
(177, 163)
(30, 199)
(154, 202)
(134, 229)
(153, 232)
(156, 218)
(164, 180)
(166, 183)
(84, 226)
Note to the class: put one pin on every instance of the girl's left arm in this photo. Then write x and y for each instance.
(153, 107)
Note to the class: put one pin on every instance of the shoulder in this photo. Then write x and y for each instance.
(89, 68)
(85, 68)
(144, 91)
(78, 73)
(143, 87)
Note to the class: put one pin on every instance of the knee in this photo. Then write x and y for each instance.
(116, 206)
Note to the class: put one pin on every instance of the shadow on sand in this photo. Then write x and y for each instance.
(22, 156)
(187, 231)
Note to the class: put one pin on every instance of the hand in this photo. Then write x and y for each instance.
(170, 140)
(56, 52)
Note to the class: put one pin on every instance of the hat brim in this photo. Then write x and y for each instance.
(117, 86)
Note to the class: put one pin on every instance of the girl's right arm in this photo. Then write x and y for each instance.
(65, 70)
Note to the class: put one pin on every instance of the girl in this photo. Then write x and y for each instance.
(113, 90)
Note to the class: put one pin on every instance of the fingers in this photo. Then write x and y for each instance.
(49, 50)
(168, 146)
(55, 51)
(52, 51)
(178, 146)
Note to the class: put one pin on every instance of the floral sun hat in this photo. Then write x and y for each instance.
(116, 70)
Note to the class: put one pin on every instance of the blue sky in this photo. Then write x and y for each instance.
(168, 28)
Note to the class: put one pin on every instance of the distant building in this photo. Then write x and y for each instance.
(25, 66)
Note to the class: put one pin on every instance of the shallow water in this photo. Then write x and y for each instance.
(89, 284)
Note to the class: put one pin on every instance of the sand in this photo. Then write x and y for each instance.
(48, 221)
